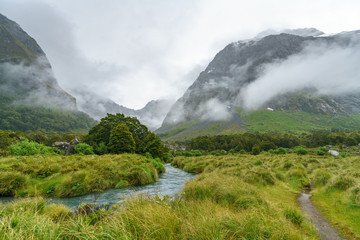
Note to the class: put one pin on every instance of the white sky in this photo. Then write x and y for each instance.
(134, 51)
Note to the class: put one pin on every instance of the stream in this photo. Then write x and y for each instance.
(169, 183)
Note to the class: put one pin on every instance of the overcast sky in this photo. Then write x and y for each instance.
(134, 51)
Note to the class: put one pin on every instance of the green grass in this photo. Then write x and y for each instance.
(262, 121)
(64, 176)
(237, 196)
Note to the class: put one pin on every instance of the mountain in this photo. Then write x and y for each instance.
(221, 101)
(97, 107)
(30, 96)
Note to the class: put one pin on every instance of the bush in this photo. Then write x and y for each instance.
(300, 150)
(84, 149)
(256, 149)
(320, 152)
(101, 149)
(280, 150)
(26, 148)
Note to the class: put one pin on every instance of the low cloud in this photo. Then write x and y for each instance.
(214, 110)
(34, 84)
(330, 70)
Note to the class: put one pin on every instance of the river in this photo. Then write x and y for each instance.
(169, 183)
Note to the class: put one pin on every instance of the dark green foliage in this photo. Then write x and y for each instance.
(280, 150)
(84, 149)
(256, 149)
(101, 149)
(300, 150)
(43, 119)
(121, 140)
(145, 141)
(26, 148)
(320, 152)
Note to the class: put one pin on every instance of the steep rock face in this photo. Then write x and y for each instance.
(26, 76)
(242, 63)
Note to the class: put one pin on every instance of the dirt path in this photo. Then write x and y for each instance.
(323, 227)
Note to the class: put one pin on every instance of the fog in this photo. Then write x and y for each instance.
(331, 70)
(134, 51)
(34, 84)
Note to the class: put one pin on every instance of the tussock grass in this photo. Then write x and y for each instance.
(336, 179)
(234, 197)
(65, 176)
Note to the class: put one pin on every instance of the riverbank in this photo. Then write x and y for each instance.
(217, 204)
(234, 197)
(76, 175)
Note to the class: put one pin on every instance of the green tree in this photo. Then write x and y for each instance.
(145, 141)
(256, 149)
(121, 140)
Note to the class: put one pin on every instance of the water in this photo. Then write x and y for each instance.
(170, 183)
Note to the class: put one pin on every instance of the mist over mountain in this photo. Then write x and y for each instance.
(25, 73)
(97, 107)
(30, 97)
(305, 71)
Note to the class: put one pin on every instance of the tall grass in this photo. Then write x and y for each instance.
(64, 176)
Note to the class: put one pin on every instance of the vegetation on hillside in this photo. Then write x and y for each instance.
(267, 141)
(48, 120)
(262, 121)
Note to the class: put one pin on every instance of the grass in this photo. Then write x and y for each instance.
(261, 121)
(65, 176)
(234, 197)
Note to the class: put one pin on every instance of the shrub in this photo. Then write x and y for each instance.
(101, 149)
(280, 150)
(256, 149)
(300, 150)
(320, 152)
(26, 148)
(84, 149)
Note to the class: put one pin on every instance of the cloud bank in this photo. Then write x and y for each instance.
(331, 70)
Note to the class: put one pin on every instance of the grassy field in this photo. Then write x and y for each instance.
(234, 197)
(336, 180)
(64, 176)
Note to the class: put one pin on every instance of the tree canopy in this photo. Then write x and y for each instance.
(107, 132)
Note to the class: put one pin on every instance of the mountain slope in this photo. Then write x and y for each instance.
(221, 89)
(97, 107)
(29, 92)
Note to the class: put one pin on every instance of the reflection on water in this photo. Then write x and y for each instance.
(170, 183)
